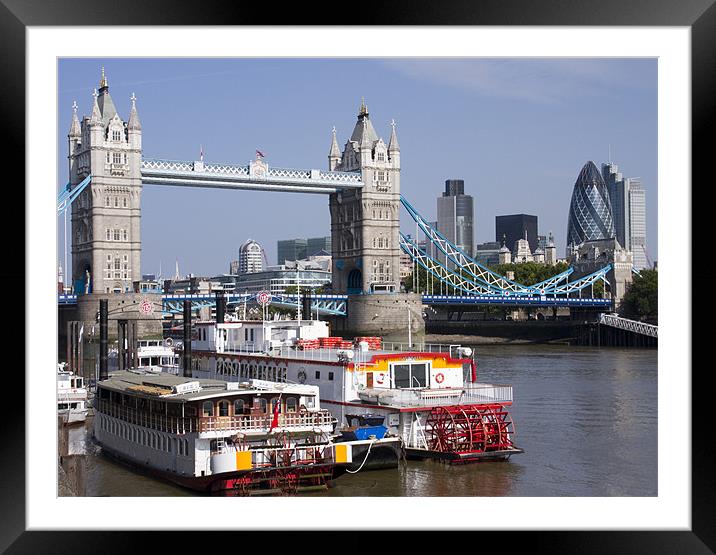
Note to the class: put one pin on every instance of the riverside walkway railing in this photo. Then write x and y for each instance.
(629, 325)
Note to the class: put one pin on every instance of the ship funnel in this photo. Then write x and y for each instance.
(187, 339)
(220, 307)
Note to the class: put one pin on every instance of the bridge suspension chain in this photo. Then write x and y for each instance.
(494, 281)
(467, 285)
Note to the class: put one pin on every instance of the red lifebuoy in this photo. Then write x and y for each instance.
(379, 378)
(439, 378)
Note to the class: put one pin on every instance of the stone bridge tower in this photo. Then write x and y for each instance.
(106, 243)
(365, 228)
(365, 223)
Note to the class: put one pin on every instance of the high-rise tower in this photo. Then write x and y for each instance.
(106, 245)
(365, 223)
(590, 211)
(456, 216)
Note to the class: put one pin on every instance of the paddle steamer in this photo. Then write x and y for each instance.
(429, 396)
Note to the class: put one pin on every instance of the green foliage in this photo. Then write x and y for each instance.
(527, 273)
(641, 299)
(293, 289)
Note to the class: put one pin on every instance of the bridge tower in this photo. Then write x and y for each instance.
(106, 245)
(365, 223)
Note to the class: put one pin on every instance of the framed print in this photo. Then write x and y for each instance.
(592, 117)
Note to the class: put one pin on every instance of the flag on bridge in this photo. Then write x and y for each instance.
(259, 154)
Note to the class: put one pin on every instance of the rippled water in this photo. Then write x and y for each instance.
(586, 418)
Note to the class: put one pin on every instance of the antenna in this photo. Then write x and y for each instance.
(610, 154)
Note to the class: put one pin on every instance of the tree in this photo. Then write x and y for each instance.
(641, 299)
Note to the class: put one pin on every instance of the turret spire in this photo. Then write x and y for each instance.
(363, 108)
(133, 122)
(96, 116)
(393, 145)
(335, 151)
(75, 125)
(103, 80)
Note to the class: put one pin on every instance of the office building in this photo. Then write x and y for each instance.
(628, 200)
(291, 249)
(488, 254)
(637, 224)
(251, 257)
(590, 211)
(456, 216)
(298, 249)
(513, 227)
(314, 245)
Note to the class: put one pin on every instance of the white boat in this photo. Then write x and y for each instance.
(153, 355)
(253, 437)
(428, 396)
(71, 396)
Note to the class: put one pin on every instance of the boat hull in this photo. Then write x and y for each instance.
(380, 456)
(71, 417)
(280, 480)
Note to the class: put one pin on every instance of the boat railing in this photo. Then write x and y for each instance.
(328, 354)
(276, 456)
(451, 349)
(249, 423)
(468, 394)
(160, 422)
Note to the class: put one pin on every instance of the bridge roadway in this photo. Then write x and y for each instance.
(336, 304)
(257, 176)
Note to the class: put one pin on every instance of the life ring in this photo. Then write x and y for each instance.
(439, 377)
(380, 378)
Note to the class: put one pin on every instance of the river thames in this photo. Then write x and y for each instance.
(585, 417)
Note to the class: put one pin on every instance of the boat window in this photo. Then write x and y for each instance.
(262, 404)
(330, 375)
(401, 375)
(223, 408)
(239, 406)
(208, 408)
(291, 404)
(410, 375)
(318, 374)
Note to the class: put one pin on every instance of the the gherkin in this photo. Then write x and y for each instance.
(590, 212)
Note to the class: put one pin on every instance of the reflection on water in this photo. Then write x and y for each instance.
(586, 418)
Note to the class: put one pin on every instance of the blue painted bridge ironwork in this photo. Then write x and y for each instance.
(335, 305)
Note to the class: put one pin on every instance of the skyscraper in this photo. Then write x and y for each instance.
(628, 200)
(251, 257)
(618, 189)
(637, 223)
(512, 228)
(456, 216)
(590, 211)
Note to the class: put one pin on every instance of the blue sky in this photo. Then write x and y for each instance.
(516, 130)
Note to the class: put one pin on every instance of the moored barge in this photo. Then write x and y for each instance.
(254, 437)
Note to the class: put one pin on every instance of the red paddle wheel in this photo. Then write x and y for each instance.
(469, 429)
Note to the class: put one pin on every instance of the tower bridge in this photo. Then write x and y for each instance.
(107, 173)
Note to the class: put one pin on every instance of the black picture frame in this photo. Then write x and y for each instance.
(699, 15)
